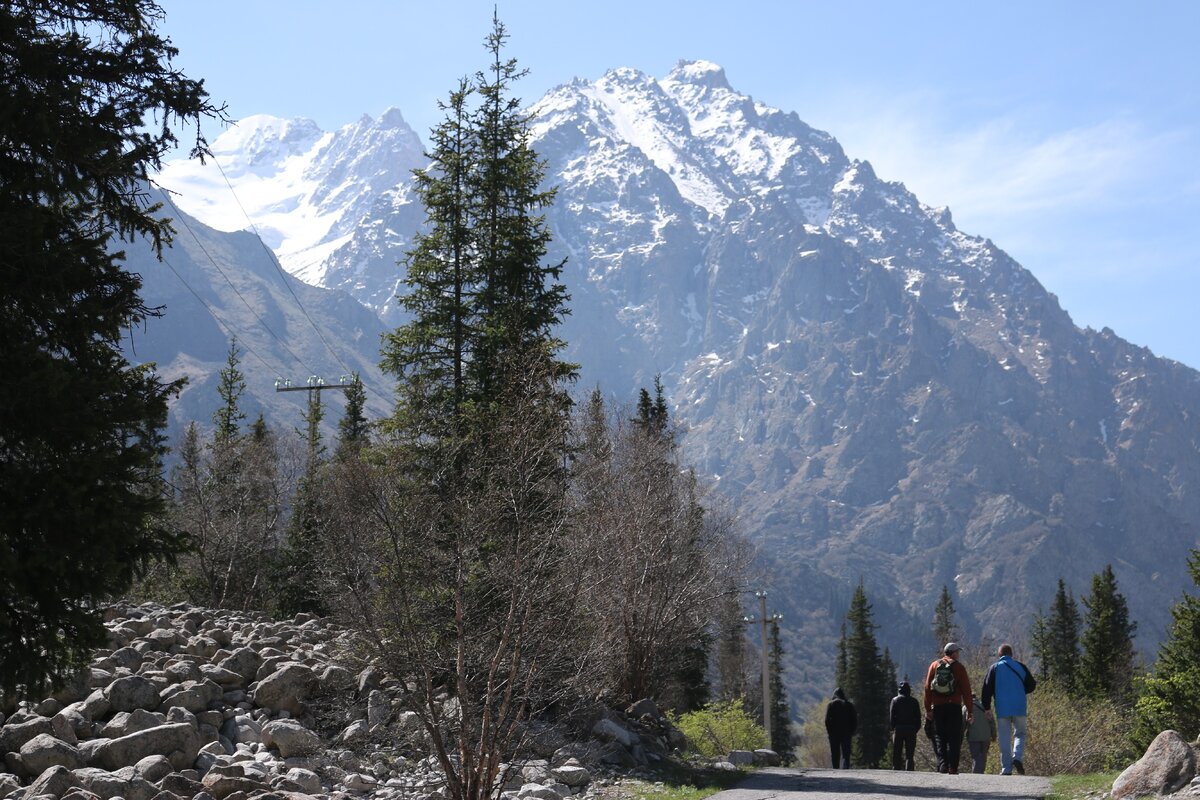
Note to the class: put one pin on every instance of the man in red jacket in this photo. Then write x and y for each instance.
(947, 690)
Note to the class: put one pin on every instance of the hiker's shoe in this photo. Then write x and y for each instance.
(953, 772)
(1018, 766)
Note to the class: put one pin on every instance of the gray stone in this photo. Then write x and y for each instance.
(54, 781)
(226, 678)
(286, 689)
(379, 709)
(741, 758)
(244, 661)
(44, 751)
(162, 640)
(181, 785)
(573, 774)
(95, 706)
(153, 768)
(8, 784)
(356, 732)
(242, 729)
(12, 737)
(535, 771)
(1168, 765)
(290, 738)
(127, 657)
(127, 722)
(307, 780)
(179, 742)
(222, 786)
(68, 724)
(357, 782)
(537, 790)
(202, 646)
(764, 757)
(131, 692)
(180, 671)
(609, 731)
(644, 708)
(195, 696)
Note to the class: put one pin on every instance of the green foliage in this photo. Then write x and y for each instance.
(945, 628)
(229, 415)
(868, 683)
(353, 428)
(1169, 699)
(89, 98)
(721, 727)
(781, 723)
(1075, 735)
(1055, 642)
(1073, 787)
(1106, 663)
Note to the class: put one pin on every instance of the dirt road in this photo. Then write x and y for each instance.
(872, 784)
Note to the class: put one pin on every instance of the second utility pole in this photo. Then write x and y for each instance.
(763, 620)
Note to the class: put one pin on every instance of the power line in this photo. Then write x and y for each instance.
(283, 274)
(225, 327)
(183, 218)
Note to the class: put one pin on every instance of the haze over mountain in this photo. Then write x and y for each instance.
(879, 395)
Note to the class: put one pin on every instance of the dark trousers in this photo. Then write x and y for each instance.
(947, 744)
(903, 745)
(839, 751)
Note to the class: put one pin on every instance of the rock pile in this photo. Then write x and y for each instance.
(216, 705)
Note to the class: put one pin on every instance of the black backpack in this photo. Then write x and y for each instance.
(943, 678)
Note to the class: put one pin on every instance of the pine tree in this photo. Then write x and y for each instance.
(520, 299)
(1170, 697)
(228, 417)
(1106, 663)
(90, 102)
(353, 428)
(1055, 641)
(945, 629)
(781, 722)
(298, 576)
(866, 683)
(731, 647)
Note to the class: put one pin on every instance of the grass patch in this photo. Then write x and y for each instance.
(1072, 787)
(680, 782)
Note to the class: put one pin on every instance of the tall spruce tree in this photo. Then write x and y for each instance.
(298, 588)
(781, 722)
(1054, 641)
(945, 628)
(478, 443)
(1170, 697)
(90, 99)
(731, 647)
(866, 683)
(353, 428)
(1107, 661)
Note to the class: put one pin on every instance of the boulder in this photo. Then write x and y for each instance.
(306, 780)
(1168, 765)
(610, 731)
(764, 757)
(107, 785)
(12, 737)
(153, 768)
(132, 692)
(537, 790)
(741, 758)
(290, 738)
(243, 661)
(55, 781)
(286, 688)
(572, 773)
(8, 784)
(127, 722)
(242, 729)
(179, 742)
(379, 709)
(356, 732)
(44, 751)
(195, 696)
(222, 786)
(644, 708)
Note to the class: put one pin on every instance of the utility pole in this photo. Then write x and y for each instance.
(314, 386)
(763, 621)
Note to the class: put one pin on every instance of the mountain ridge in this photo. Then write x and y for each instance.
(880, 395)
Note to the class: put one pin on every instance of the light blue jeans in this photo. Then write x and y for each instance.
(1010, 731)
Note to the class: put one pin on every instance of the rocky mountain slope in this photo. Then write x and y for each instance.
(880, 396)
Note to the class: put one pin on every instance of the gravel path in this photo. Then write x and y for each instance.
(876, 784)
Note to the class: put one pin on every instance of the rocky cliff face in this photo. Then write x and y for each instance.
(880, 395)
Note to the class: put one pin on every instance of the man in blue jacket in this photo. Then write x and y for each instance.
(1007, 682)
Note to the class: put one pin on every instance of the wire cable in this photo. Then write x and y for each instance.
(183, 218)
(283, 274)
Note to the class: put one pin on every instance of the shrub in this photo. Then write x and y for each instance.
(1074, 735)
(719, 728)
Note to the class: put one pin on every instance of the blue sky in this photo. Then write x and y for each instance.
(1068, 132)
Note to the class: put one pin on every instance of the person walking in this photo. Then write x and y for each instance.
(980, 734)
(1008, 681)
(947, 691)
(904, 720)
(841, 721)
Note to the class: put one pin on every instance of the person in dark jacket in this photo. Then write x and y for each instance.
(841, 721)
(944, 705)
(904, 720)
